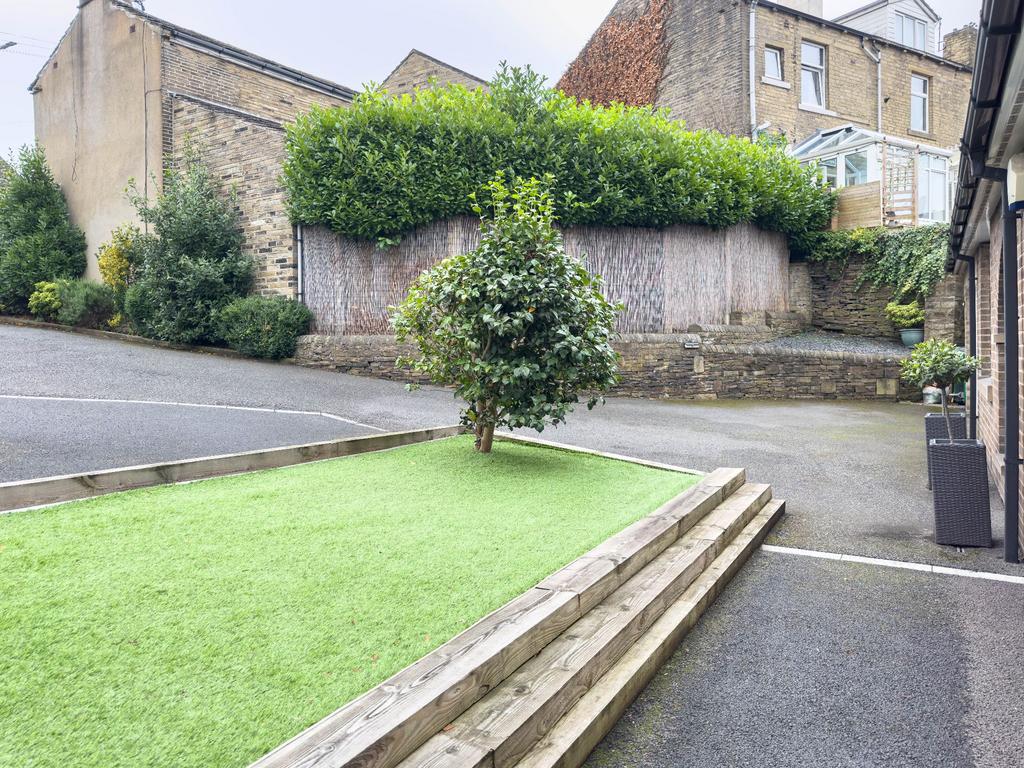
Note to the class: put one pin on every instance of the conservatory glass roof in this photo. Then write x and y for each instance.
(831, 141)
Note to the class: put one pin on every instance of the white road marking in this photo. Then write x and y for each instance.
(194, 405)
(907, 566)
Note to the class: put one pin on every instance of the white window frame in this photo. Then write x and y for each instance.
(776, 53)
(821, 71)
(921, 96)
(870, 152)
(926, 168)
(918, 29)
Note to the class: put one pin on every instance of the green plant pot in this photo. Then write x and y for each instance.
(911, 336)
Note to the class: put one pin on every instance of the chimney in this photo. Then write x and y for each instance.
(960, 45)
(813, 7)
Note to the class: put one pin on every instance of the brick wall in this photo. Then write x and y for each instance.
(851, 84)
(417, 69)
(235, 116)
(678, 366)
(961, 44)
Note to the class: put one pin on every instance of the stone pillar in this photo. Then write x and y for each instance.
(943, 311)
(800, 290)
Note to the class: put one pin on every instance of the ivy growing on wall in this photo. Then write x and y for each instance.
(386, 165)
(910, 260)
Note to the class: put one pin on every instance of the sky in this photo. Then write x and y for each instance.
(351, 42)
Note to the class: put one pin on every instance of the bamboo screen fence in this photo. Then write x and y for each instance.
(668, 279)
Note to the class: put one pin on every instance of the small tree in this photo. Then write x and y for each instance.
(193, 266)
(935, 363)
(38, 242)
(517, 325)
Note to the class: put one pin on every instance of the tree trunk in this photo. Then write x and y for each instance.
(486, 439)
(945, 413)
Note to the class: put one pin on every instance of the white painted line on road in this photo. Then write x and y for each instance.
(902, 564)
(324, 414)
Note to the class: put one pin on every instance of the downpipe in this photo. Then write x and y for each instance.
(752, 65)
(875, 56)
(1011, 394)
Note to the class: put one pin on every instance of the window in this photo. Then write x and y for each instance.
(812, 75)
(931, 188)
(773, 63)
(919, 103)
(855, 167)
(830, 171)
(910, 31)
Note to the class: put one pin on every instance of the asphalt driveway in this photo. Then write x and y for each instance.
(802, 661)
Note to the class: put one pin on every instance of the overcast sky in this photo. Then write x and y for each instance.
(349, 41)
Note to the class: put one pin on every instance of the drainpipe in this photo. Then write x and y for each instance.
(875, 56)
(752, 52)
(299, 258)
(1011, 407)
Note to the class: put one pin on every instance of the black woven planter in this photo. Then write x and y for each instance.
(960, 488)
(935, 429)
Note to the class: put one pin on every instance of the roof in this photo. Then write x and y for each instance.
(929, 11)
(998, 37)
(828, 141)
(862, 34)
(238, 55)
(416, 52)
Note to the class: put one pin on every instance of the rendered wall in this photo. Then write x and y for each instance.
(668, 279)
(97, 117)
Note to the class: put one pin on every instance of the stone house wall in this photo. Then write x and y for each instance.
(235, 117)
(417, 70)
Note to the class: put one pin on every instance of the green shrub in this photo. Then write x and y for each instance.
(905, 315)
(386, 165)
(37, 240)
(518, 326)
(261, 326)
(85, 304)
(935, 363)
(44, 303)
(192, 266)
(117, 259)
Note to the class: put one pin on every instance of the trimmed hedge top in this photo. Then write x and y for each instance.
(386, 165)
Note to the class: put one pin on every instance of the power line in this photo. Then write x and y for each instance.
(27, 37)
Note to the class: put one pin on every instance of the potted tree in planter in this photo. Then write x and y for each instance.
(908, 319)
(959, 470)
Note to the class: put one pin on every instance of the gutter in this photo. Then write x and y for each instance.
(752, 53)
(875, 56)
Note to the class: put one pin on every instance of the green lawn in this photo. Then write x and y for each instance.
(203, 624)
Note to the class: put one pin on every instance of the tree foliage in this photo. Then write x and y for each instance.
(518, 326)
(192, 265)
(935, 363)
(387, 164)
(263, 326)
(38, 242)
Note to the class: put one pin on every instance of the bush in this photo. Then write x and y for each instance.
(44, 303)
(387, 164)
(37, 240)
(192, 267)
(518, 326)
(261, 326)
(935, 363)
(85, 304)
(116, 259)
(904, 316)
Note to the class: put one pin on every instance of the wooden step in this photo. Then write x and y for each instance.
(572, 739)
(387, 723)
(504, 725)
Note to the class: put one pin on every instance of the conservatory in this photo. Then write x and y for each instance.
(898, 182)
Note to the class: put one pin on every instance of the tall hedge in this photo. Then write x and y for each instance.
(38, 242)
(387, 164)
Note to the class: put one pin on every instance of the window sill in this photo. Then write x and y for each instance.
(776, 83)
(920, 134)
(817, 110)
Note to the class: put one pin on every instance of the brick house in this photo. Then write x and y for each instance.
(419, 70)
(868, 96)
(987, 248)
(124, 90)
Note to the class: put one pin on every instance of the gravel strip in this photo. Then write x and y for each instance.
(838, 342)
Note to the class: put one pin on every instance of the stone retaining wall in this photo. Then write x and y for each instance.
(671, 365)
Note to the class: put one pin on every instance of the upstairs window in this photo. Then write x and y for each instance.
(919, 103)
(773, 63)
(910, 31)
(812, 75)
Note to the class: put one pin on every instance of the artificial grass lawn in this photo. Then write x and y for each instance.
(203, 624)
